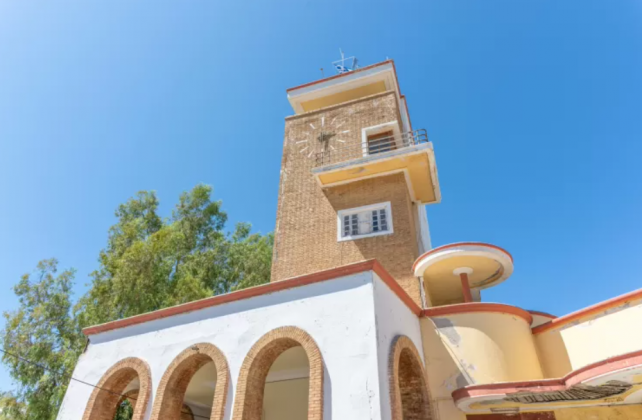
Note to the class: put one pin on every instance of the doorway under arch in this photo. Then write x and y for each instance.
(282, 361)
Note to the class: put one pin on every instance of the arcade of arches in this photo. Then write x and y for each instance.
(281, 379)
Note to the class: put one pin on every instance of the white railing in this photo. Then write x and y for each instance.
(373, 147)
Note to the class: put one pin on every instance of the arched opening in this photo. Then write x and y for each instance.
(408, 388)
(199, 394)
(287, 387)
(194, 386)
(281, 378)
(411, 387)
(125, 407)
(122, 393)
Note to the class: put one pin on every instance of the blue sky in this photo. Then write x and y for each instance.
(534, 109)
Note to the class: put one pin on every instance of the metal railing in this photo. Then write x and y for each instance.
(374, 146)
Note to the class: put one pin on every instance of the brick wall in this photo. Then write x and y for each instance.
(306, 228)
(409, 396)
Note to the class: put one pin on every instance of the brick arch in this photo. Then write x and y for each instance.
(105, 398)
(409, 396)
(168, 403)
(248, 404)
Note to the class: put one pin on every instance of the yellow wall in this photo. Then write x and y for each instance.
(475, 348)
(286, 400)
(490, 347)
(628, 412)
(417, 165)
(594, 339)
(552, 354)
(443, 374)
(344, 96)
(483, 347)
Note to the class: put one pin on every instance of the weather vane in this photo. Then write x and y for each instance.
(345, 65)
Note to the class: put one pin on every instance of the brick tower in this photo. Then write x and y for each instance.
(355, 177)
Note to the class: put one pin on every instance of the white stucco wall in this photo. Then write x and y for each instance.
(392, 318)
(339, 314)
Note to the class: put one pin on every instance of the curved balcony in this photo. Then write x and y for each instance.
(491, 342)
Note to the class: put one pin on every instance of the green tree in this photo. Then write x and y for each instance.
(149, 263)
(152, 263)
(9, 404)
(125, 410)
(41, 330)
(249, 259)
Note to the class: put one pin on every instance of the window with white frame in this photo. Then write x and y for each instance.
(363, 222)
(381, 138)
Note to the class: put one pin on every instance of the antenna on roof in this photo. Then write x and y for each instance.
(345, 65)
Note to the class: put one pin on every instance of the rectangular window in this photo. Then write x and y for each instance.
(381, 142)
(363, 222)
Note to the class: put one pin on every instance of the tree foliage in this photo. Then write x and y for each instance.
(43, 331)
(125, 410)
(149, 263)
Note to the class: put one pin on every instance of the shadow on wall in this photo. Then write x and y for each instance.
(327, 392)
(553, 354)
(445, 372)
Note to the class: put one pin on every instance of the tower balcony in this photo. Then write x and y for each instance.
(383, 154)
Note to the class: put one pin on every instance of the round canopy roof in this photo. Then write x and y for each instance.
(490, 264)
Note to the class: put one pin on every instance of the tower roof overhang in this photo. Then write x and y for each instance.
(334, 90)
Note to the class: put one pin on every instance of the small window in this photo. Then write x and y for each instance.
(363, 222)
(381, 142)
